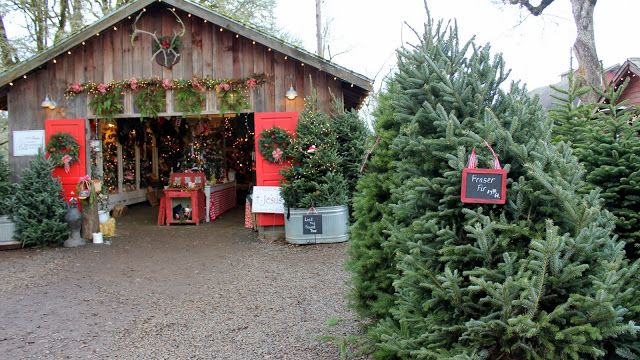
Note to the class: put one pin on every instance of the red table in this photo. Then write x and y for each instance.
(197, 201)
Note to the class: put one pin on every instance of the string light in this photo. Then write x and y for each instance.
(83, 43)
(115, 28)
(253, 42)
(269, 49)
(24, 76)
(55, 61)
(11, 84)
(286, 57)
(189, 15)
(68, 52)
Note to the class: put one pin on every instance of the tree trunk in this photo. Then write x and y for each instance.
(8, 56)
(319, 28)
(76, 16)
(589, 70)
(62, 22)
(90, 223)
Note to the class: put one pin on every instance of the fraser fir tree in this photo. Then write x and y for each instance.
(351, 135)
(542, 276)
(370, 262)
(314, 178)
(606, 142)
(39, 207)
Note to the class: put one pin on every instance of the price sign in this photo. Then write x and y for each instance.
(484, 186)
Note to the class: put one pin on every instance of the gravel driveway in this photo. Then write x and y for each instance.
(183, 292)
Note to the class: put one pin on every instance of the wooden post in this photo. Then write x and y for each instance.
(90, 223)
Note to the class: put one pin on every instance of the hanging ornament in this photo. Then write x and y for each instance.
(311, 149)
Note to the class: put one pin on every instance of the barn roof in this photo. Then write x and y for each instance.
(357, 85)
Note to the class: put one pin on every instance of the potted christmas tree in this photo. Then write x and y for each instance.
(314, 190)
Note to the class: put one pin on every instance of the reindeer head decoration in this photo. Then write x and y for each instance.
(166, 49)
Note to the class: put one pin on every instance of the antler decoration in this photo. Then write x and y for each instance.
(165, 48)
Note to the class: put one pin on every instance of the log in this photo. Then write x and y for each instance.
(90, 222)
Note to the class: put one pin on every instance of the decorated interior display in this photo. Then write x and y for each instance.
(483, 186)
(166, 49)
(273, 143)
(63, 150)
(239, 141)
(109, 158)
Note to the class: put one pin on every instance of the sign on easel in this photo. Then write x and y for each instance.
(267, 199)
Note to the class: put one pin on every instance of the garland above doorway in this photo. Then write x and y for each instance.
(107, 100)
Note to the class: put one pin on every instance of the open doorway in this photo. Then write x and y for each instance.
(136, 158)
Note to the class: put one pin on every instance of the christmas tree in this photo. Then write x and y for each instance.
(607, 143)
(6, 189)
(542, 276)
(314, 179)
(351, 135)
(370, 262)
(39, 207)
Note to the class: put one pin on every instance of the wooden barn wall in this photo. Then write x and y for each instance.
(632, 92)
(206, 52)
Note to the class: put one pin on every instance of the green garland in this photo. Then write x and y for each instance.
(60, 145)
(105, 104)
(274, 143)
(189, 100)
(150, 101)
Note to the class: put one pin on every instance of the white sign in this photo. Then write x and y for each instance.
(267, 199)
(27, 142)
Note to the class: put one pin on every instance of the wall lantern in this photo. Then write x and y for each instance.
(291, 93)
(48, 103)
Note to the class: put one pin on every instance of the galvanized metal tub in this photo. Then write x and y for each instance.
(7, 229)
(334, 225)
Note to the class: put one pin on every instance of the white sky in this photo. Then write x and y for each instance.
(537, 50)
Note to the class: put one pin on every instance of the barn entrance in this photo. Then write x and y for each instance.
(139, 160)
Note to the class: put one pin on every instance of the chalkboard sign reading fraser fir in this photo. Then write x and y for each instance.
(484, 186)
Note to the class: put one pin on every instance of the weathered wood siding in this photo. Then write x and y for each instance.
(206, 52)
(632, 93)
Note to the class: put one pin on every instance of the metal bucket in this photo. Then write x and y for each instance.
(7, 229)
(332, 228)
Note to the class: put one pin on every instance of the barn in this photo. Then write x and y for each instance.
(159, 88)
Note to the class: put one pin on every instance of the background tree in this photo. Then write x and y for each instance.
(6, 188)
(584, 47)
(351, 135)
(606, 142)
(39, 208)
(542, 276)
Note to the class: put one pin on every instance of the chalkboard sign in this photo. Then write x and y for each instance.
(484, 186)
(312, 224)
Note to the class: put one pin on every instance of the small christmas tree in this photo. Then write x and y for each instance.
(542, 276)
(351, 135)
(39, 207)
(314, 179)
(6, 189)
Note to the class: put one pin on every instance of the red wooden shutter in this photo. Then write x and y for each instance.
(75, 127)
(268, 173)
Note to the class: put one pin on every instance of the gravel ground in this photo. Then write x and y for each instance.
(183, 292)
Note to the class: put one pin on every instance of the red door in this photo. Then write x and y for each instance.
(268, 173)
(75, 127)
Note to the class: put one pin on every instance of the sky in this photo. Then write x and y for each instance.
(536, 49)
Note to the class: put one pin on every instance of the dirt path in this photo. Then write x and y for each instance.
(206, 292)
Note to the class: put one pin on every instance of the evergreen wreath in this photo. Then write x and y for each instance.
(63, 149)
(274, 143)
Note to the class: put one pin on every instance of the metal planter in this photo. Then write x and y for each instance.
(329, 225)
(7, 229)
